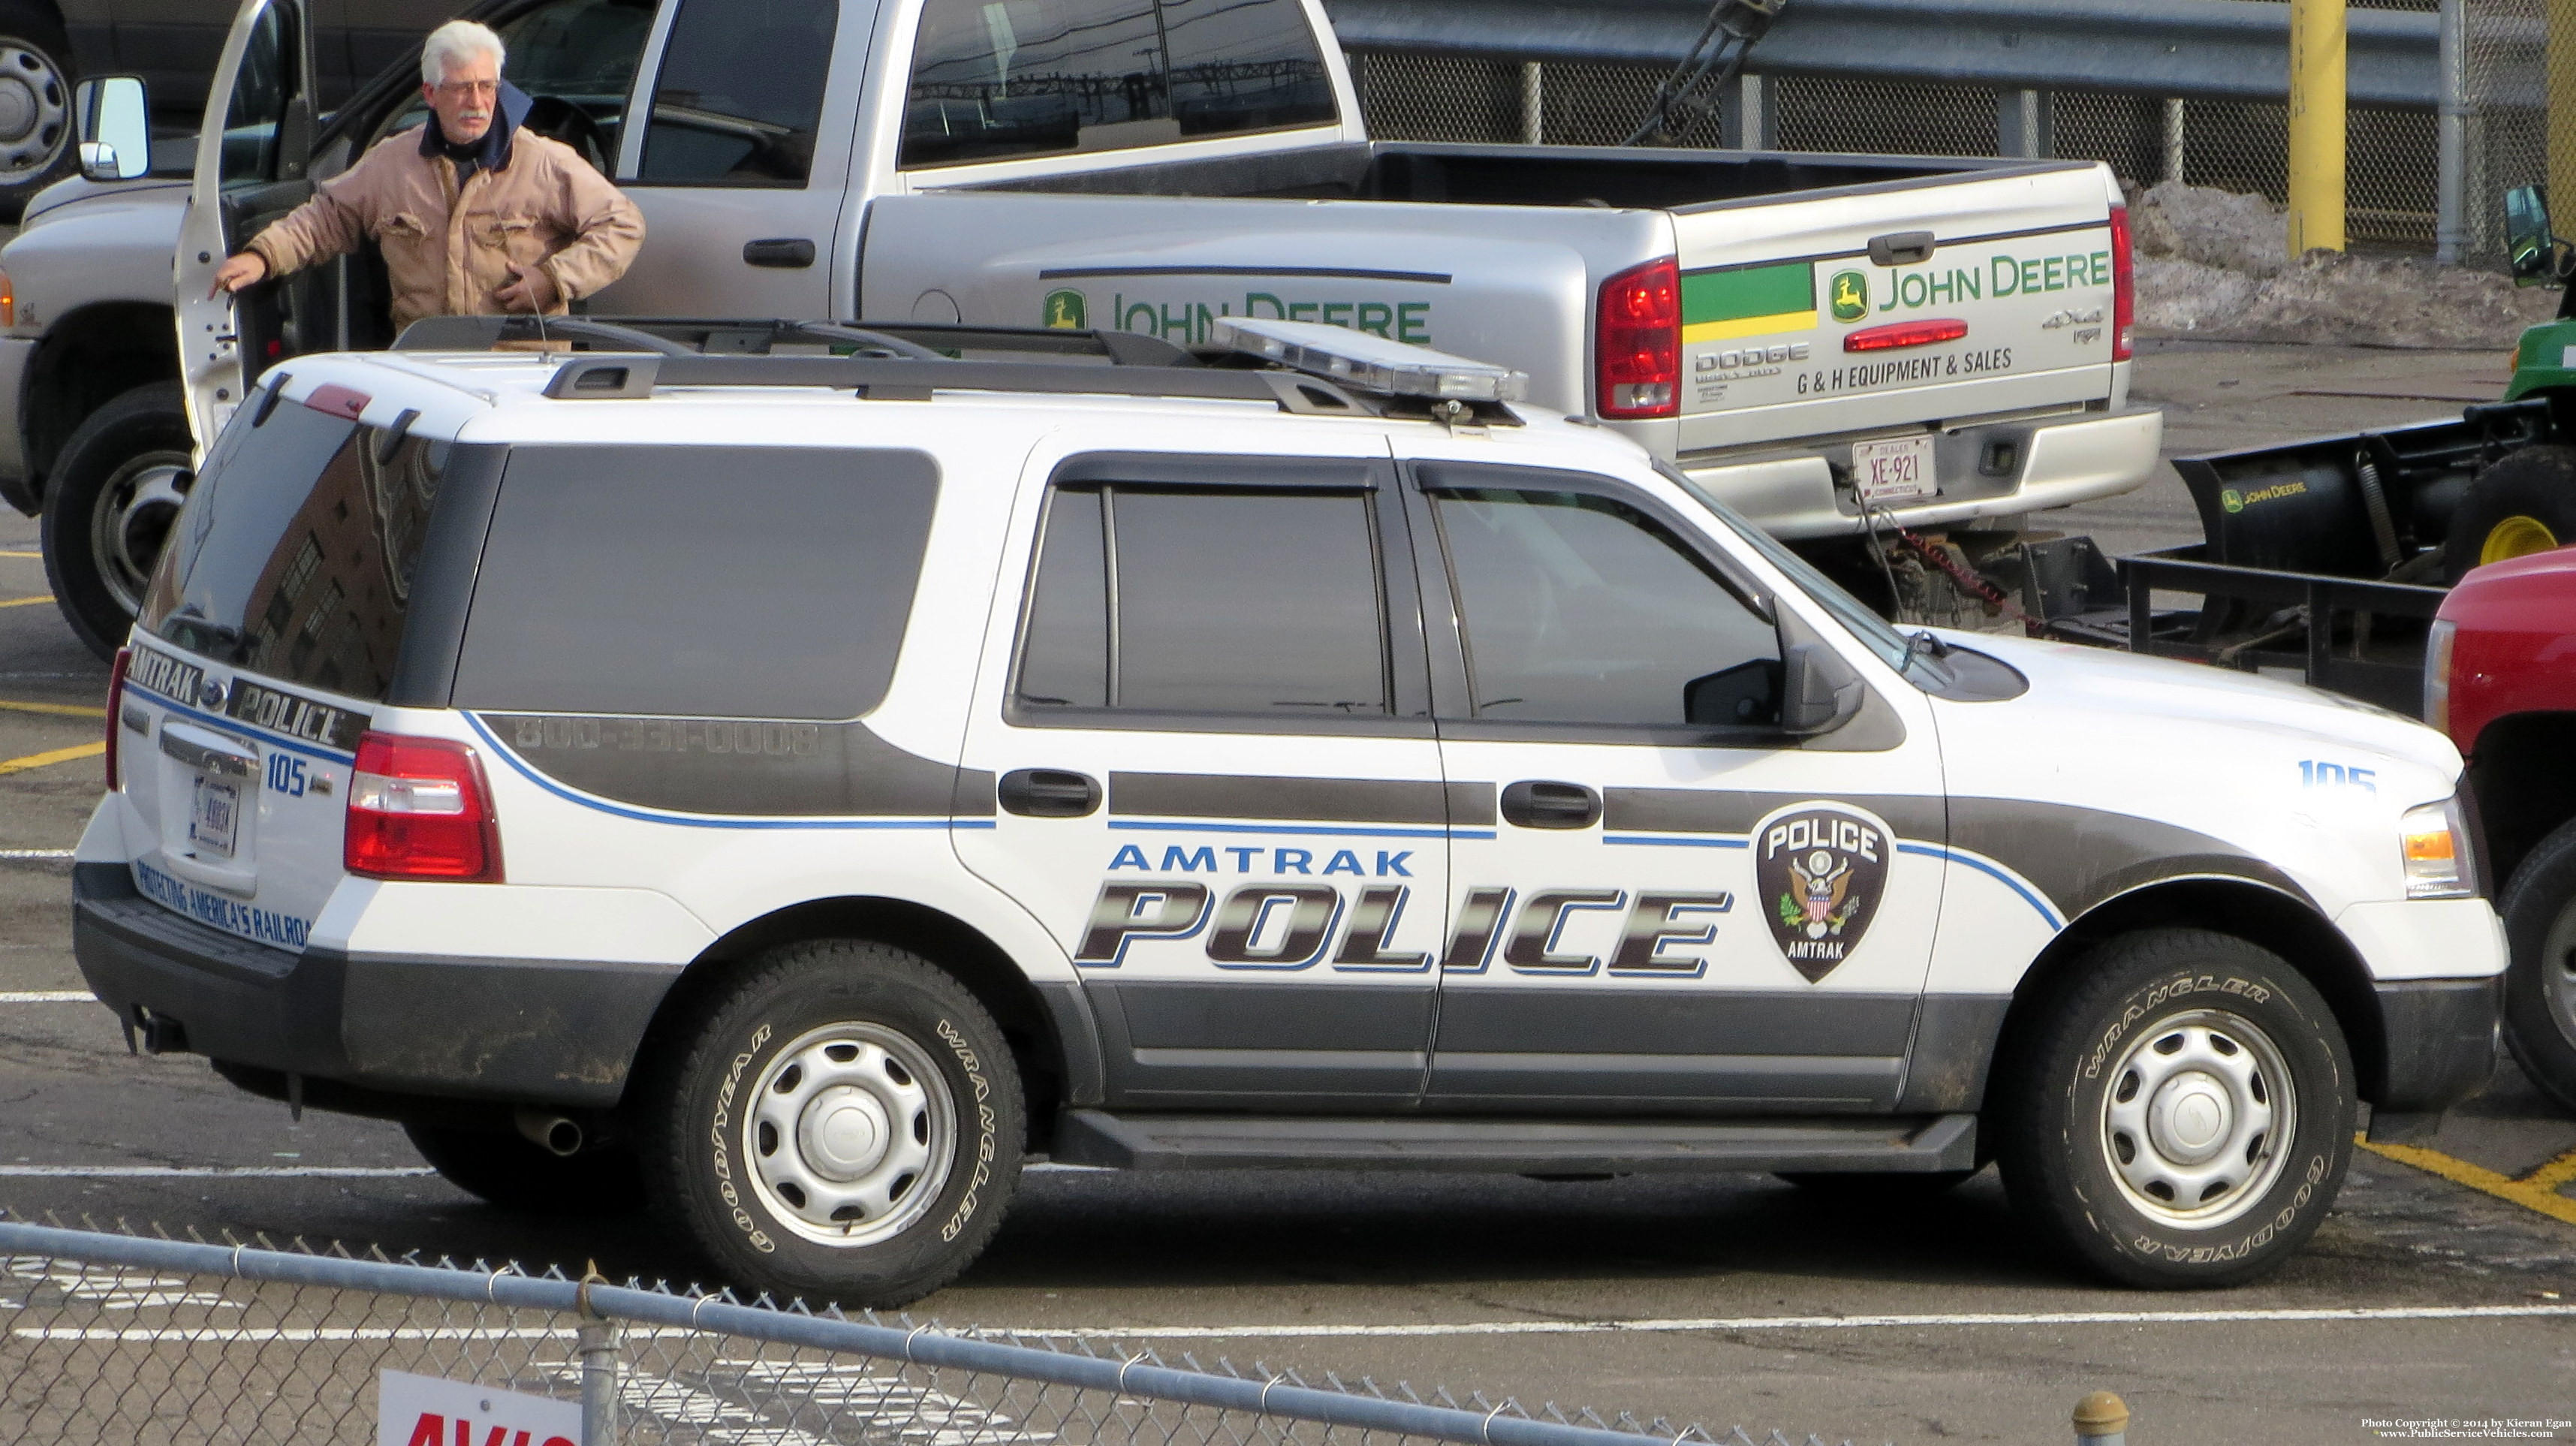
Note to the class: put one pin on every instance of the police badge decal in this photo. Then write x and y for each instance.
(1821, 869)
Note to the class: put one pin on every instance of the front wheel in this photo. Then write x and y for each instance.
(35, 104)
(846, 1125)
(116, 489)
(2539, 909)
(2181, 1115)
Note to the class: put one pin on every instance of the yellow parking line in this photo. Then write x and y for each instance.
(24, 602)
(68, 710)
(59, 755)
(2535, 1191)
(21, 554)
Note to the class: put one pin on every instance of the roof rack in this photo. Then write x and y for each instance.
(909, 361)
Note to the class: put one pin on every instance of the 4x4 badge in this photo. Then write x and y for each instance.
(1821, 869)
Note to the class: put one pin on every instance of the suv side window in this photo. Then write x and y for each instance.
(1578, 608)
(1173, 600)
(998, 78)
(740, 94)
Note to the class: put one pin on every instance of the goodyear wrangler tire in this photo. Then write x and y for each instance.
(2181, 1113)
(846, 1126)
(2539, 909)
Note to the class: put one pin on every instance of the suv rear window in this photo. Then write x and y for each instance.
(999, 78)
(294, 556)
(697, 582)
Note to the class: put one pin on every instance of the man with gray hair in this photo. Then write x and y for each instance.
(475, 215)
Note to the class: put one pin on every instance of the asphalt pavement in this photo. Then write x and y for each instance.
(2442, 1286)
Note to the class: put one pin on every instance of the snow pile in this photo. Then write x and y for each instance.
(2214, 264)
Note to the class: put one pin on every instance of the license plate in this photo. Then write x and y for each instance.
(1898, 470)
(214, 816)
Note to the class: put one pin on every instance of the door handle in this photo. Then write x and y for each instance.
(1901, 248)
(1539, 803)
(787, 253)
(1048, 793)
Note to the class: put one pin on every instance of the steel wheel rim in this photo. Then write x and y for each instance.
(2197, 1120)
(34, 112)
(131, 522)
(2516, 536)
(849, 1134)
(2558, 971)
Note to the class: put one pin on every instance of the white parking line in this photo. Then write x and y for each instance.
(1718, 1324)
(213, 1172)
(35, 855)
(47, 996)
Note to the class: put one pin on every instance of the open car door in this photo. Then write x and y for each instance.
(256, 139)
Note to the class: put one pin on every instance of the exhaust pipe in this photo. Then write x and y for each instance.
(552, 1133)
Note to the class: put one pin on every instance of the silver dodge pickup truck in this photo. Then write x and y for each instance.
(1814, 337)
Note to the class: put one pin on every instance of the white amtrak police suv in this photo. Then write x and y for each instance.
(790, 774)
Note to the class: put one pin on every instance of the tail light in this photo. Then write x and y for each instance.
(2124, 286)
(419, 809)
(1637, 348)
(1898, 335)
(116, 714)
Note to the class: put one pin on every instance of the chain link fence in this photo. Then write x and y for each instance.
(140, 1341)
(2393, 178)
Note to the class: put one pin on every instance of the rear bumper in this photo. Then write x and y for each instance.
(2055, 463)
(536, 1032)
(2440, 1037)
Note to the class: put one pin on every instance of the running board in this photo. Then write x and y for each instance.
(1911, 1145)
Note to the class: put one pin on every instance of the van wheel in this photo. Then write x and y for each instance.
(514, 1174)
(116, 489)
(2525, 503)
(847, 1125)
(35, 105)
(2180, 1115)
(2539, 911)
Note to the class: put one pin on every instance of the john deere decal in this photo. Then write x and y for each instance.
(1066, 310)
(1850, 295)
(1821, 869)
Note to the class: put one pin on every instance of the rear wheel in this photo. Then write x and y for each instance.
(2182, 1112)
(115, 490)
(2525, 503)
(35, 105)
(845, 1125)
(515, 1174)
(2539, 911)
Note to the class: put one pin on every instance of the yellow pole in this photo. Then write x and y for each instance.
(2561, 115)
(2316, 125)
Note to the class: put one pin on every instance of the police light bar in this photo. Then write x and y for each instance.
(1369, 363)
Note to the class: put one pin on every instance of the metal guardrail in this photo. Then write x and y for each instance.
(2195, 49)
(135, 1340)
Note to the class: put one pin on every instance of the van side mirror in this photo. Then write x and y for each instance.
(2535, 254)
(114, 123)
(1819, 692)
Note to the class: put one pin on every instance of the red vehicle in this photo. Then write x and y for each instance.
(2500, 678)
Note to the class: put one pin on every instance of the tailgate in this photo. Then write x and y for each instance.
(1791, 329)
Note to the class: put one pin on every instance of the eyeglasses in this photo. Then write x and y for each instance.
(469, 87)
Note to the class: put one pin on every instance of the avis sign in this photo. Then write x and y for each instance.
(426, 1411)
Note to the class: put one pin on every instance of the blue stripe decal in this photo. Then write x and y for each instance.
(687, 820)
(1309, 830)
(276, 740)
(1983, 867)
(1676, 843)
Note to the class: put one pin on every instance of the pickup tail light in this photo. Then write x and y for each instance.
(1898, 335)
(2437, 674)
(2124, 286)
(419, 809)
(1637, 345)
(116, 714)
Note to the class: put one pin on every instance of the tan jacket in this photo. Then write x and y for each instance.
(448, 255)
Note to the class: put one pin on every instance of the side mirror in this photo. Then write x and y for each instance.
(115, 128)
(2535, 254)
(1819, 692)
